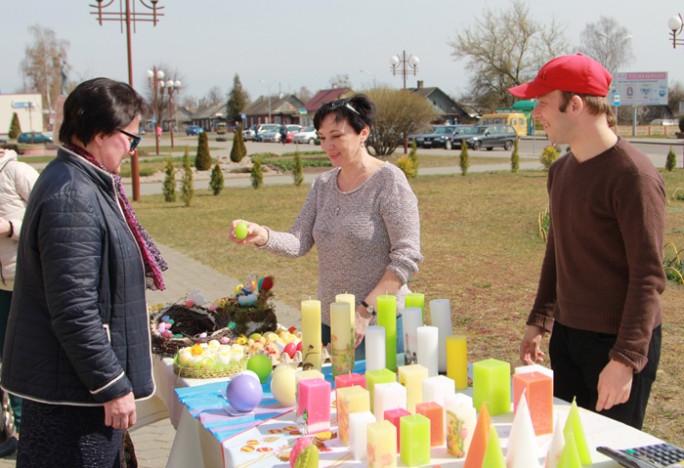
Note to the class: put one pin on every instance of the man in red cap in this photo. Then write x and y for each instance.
(602, 276)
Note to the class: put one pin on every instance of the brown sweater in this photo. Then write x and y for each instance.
(602, 269)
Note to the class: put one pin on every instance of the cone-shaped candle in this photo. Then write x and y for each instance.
(493, 457)
(556, 447)
(574, 425)
(570, 458)
(522, 445)
(478, 445)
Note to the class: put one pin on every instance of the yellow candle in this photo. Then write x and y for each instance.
(382, 445)
(387, 317)
(349, 400)
(342, 337)
(349, 298)
(457, 360)
(311, 333)
(412, 377)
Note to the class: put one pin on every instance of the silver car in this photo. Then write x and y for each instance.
(309, 135)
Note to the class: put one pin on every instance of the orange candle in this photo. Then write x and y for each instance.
(435, 413)
(538, 390)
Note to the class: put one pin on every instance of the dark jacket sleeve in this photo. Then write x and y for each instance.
(71, 243)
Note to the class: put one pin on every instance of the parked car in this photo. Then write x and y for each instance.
(441, 137)
(193, 130)
(292, 129)
(249, 133)
(263, 128)
(489, 137)
(270, 136)
(34, 138)
(308, 135)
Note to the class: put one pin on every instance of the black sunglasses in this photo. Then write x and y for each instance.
(334, 105)
(135, 140)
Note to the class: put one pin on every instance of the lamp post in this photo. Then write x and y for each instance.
(156, 78)
(676, 25)
(268, 85)
(127, 15)
(404, 65)
(171, 86)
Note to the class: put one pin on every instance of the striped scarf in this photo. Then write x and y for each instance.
(154, 263)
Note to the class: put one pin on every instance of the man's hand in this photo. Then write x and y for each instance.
(530, 348)
(120, 412)
(361, 322)
(614, 385)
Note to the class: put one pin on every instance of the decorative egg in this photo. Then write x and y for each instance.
(283, 384)
(248, 300)
(290, 349)
(213, 344)
(261, 365)
(224, 340)
(241, 230)
(224, 358)
(208, 362)
(244, 391)
(237, 355)
(184, 357)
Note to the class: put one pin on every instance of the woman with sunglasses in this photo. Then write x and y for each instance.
(362, 215)
(78, 346)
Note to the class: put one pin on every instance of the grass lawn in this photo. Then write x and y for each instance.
(479, 236)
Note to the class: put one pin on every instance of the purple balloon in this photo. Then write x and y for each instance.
(244, 392)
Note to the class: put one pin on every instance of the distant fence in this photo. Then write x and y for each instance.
(648, 130)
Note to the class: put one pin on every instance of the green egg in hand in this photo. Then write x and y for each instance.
(241, 230)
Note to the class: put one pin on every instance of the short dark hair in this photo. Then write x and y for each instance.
(100, 105)
(358, 110)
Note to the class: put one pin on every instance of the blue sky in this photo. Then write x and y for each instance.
(275, 45)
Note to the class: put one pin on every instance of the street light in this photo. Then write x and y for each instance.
(268, 85)
(404, 65)
(171, 86)
(156, 78)
(127, 16)
(676, 24)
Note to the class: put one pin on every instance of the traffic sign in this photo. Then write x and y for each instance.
(616, 99)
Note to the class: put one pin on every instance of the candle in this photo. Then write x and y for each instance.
(411, 319)
(394, 416)
(387, 317)
(375, 348)
(382, 445)
(349, 299)
(492, 385)
(534, 368)
(478, 444)
(412, 378)
(522, 443)
(415, 440)
(437, 388)
(347, 380)
(460, 423)
(493, 457)
(358, 433)
(306, 374)
(556, 447)
(387, 396)
(311, 333)
(440, 317)
(538, 389)
(378, 376)
(428, 340)
(415, 299)
(313, 406)
(342, 337)
(573, 428)
(457, 360)
(435, 413)
(349, 400)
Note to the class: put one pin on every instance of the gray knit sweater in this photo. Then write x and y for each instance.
(359, 234)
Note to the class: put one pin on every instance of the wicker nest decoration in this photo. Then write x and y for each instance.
(193, 324)
(246, 317)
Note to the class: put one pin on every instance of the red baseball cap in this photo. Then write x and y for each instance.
(574, 73)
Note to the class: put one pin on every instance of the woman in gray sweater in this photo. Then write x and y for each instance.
(362, 215)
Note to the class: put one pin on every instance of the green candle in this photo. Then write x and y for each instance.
(573, 426)
(387, 317)
(378, 376)
(492, 385)
(493, 455)
(415, 440)
(415, 300)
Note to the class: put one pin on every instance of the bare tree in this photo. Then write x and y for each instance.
(608, 43)
(398, 112)
(44, 62)
(215, 95)
(505, 49)
(340, 81)
(304, 94)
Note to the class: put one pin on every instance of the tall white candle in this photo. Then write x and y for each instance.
(440, 317)
(311, 333)
(342, 337)
(411, 319)
(428, 340)
(358, 434)
(375, 348)
(387, 396)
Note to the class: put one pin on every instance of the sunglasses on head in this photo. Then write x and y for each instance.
(135, 139)
(334, 105)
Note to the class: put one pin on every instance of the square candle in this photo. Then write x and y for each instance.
(382, 445)
(313, 406)
(347, 380)
(437, 388)
(435, 413)
(492, 385)
(388, 396)
(415, 440)
(358, 433)
(538, 390)
(378, 376)
(412, 377)
(306, 374)
(394, 416)
(460, 423)
(349, 400)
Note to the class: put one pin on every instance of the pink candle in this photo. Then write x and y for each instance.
(394, 416)
(313, 406)
(348, 380)
(435, 413)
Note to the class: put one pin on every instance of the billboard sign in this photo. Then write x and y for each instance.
(641, 88)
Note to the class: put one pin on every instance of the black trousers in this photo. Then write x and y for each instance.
(577, 359)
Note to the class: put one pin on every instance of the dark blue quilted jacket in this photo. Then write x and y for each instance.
(78, 331)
